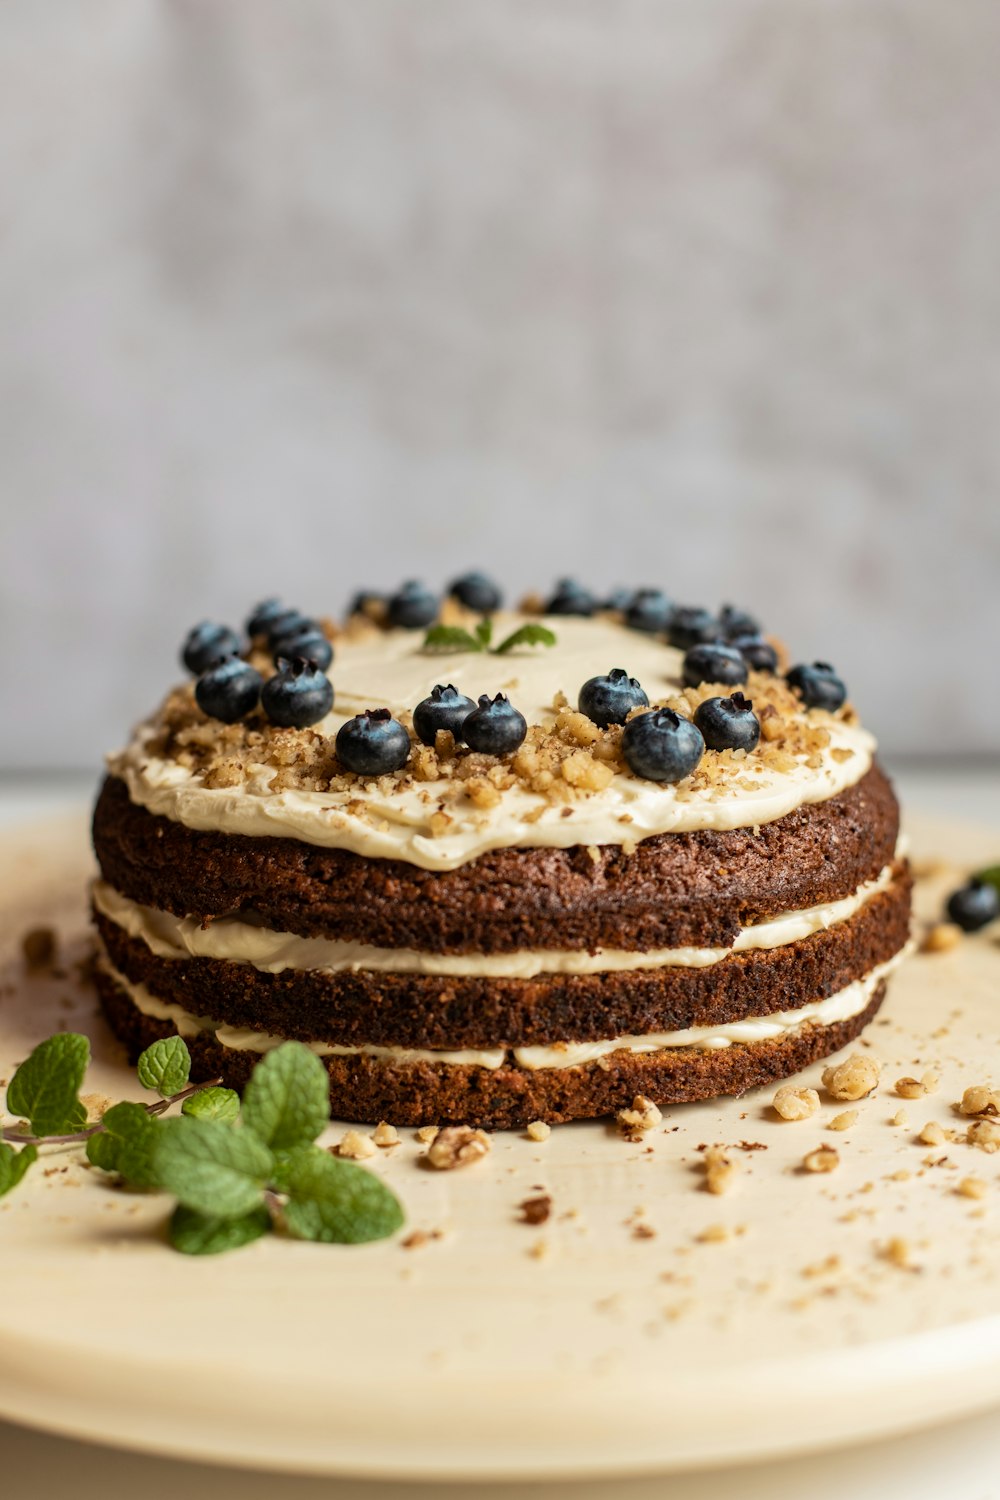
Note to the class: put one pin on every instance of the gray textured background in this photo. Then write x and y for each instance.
(702, 293)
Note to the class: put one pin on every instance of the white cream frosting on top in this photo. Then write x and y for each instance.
(391, 670)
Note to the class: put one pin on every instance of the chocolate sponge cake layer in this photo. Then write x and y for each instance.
(509, 1097)
(355, 1008)
(672, 890)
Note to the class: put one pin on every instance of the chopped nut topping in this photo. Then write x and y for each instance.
(426, 1133)
(457, 1146)
(385, 1135)
(356, 1146)
(823, 1159)
(713, 1234)
(643, 1116)
(930, 1082)
(900, 1118)
(897, 1252)
(538, 1131)
(981, 1099)
(932, 1134)
(941, 938)
(720, 1170)
(909, 1088)
(985, 1134)
(972, 1187)
(845, 1120)
(853, 1079)
(795, 1104)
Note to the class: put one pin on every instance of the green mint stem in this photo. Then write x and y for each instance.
(12, 1134)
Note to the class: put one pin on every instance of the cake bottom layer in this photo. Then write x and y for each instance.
(424, 1092)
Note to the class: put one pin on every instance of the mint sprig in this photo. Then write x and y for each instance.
(456, 638)
(236, 1174)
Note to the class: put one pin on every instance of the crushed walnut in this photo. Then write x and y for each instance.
(356, 1146)
(844, 1120)
(538, 1131)
(854, 1079)
(985, 1134)
(823, 1159)
(980, 1099)
(941, 938)
(791, 1103)
(457, 1146)
(643, 1115)
(385, 1135)
(972, 1187)
(720, 1170)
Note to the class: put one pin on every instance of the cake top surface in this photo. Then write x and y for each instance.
(570, 781)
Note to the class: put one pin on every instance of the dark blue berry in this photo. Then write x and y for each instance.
(661, 746)
(495, 727)
(571, 598)
(974, 905)
(309, 642)
(206, 644)
(297, 695)
(690, 627)
(728, 723)
(477, 592)
(229, 691)
(446, 708)
(733, 622)
(413, 607)
(756, 652)
(373, 743)
(650, 610)
(263, 614)
(818, 685)
(288, 622)
(714, 663)
(610, 700)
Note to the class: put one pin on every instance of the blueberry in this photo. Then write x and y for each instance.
(207, 644)
(309, 642)
(818, 685)
(446, 708)
(618, 600)
(610, 700)
(733, 622)
(714, 663)
(229, 690)
(649, 610)
(262, 615)
(728, 723)
(974, 905)
(413, 607)
(690, 627)
(661, 746)
(495, 727)
(756, 652)
(477, 592)
(373, 743)
(287, 622)
(571, 598)
(297, 695)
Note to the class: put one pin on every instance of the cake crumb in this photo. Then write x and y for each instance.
(854, 1079)
(643, 1232)
(643, 1116)
(385, 1135)
(791, 1103)
(941, 938)
(38, 947)
(535, 1210)
(457, 1146)
(844, 1120)
(419, 1237)
(720, 1170)
(356, 1146)
(823, 1159)
(538, 1131)
(540, 1250)
(980, 1099)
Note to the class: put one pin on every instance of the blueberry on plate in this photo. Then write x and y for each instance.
(734, 622)
(649, 610)
(661, 746)
(571, 598)
(495, 727)
(728, 723)
(756, 652)
(610, 700)
(373, 743)
(446, 708)
(477, 591)
(309, 641)
(229, 690)
(297, 695)
(206, 644)
(413, 606)
(262, 615)
(974, 905)
(818, 685)
(714, 662)
(689, 627)
(288, 622)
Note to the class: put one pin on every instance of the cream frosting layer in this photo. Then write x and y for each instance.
(272, 952)
(390, 670)
(848, 1002)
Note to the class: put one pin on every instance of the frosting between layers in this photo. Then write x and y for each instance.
(848, 1002)
(391, 670)
(230, 940)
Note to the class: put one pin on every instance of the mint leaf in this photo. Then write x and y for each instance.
(127, 1144)
(218, 1170)
(200, 1234)
(334, 1201)
(45, 1087)
(165, 1067)
(213, 1104)
(14, 1164)
(526, 635)
(990, 876)
(287, 1099)
(450, 638)
(484, 633)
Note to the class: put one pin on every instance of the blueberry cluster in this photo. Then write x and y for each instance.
(493, 727)
(414, 606)
(229, 688)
